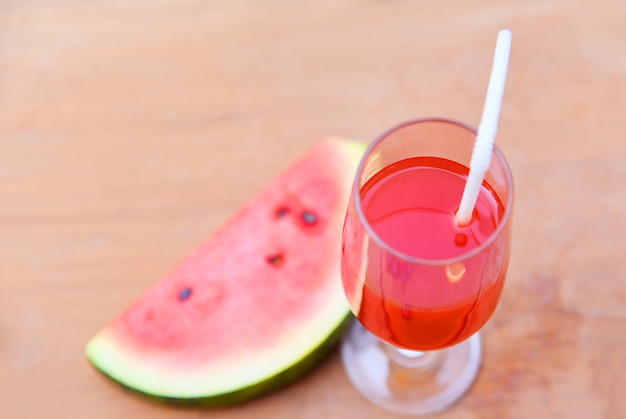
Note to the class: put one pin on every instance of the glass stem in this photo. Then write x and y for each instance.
(413, 359)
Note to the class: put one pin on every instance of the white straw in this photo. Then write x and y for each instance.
(483, 147)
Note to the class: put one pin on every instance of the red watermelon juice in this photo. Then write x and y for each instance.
(411, 207)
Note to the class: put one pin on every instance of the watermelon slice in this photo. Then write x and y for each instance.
(251, 309)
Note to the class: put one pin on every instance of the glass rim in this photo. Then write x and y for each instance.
(356, 195)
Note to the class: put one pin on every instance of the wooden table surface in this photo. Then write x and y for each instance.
(130, 130)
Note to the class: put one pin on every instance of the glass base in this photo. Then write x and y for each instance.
(409, 382)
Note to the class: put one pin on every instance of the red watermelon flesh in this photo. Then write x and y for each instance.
(251, 308)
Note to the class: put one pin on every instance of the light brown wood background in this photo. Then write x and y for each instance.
(130, 129)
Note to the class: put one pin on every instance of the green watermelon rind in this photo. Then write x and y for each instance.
(242, 379)
(251, 391)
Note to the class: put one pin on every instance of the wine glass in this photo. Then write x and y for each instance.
(420, 285)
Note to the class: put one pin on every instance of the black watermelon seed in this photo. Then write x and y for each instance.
(309, 218)
(281, 212)
(184, 294)
(275, 260)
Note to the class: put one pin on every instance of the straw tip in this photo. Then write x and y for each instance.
(505, 35)
(463, 221)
